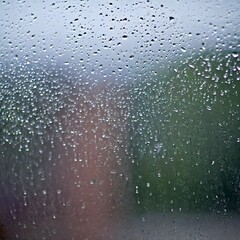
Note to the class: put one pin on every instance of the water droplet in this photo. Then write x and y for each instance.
(235, 54)
(183, 49)
(93, 181)
(158, 147)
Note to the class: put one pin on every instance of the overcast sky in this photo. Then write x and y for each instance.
(111, 37)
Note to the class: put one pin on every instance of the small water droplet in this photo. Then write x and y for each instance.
(235, 54)
(93, 181)
(183, 49)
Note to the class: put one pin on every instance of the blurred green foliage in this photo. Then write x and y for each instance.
(185, 136)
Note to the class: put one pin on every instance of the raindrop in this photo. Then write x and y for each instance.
(183, 49)
(235, 54)
(93, 181)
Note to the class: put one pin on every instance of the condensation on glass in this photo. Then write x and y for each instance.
(119, 119)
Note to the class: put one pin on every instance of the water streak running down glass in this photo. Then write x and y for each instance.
(119, 120)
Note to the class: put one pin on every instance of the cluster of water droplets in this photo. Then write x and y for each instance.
(154, 86)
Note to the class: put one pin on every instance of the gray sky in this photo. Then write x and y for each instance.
(112, 38)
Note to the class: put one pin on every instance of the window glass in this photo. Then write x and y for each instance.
(119, 119)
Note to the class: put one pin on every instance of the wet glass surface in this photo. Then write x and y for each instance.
(119, 120)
